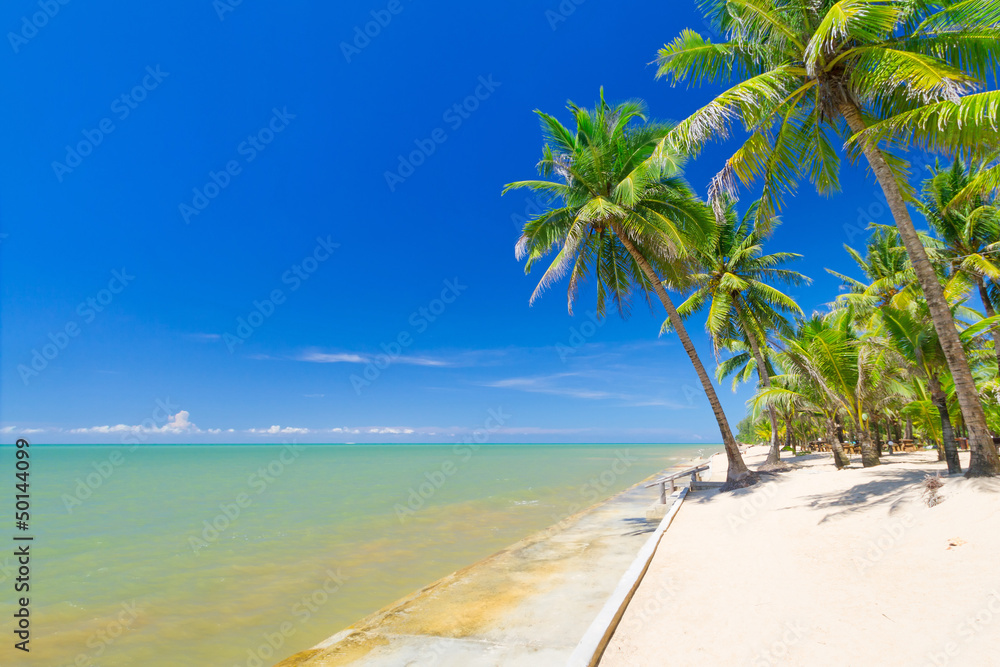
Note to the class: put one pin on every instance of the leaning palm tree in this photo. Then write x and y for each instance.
(967, 231)
(623, 219)
(734, 278)
(889, 71)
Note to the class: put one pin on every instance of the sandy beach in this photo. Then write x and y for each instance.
(824, 567)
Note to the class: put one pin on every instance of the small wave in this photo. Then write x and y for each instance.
(525, 502)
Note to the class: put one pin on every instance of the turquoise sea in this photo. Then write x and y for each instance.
(241, 555)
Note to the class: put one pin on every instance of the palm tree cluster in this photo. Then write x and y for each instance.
(874, 361)
(810, 82)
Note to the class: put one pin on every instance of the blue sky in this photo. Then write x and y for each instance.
(173, 170)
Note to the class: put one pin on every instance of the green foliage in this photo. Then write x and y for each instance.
(734, 279)
(910, 68)
(604, 184)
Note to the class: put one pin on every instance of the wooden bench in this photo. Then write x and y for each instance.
(663, 481)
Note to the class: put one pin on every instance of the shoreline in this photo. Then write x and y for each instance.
(484, 613)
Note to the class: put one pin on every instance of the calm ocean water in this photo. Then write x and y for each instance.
(242, 555)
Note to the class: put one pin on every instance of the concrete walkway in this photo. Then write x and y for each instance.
(529, 604)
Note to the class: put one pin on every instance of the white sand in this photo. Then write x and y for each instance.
(824, 567)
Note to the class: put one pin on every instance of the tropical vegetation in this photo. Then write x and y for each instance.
(625, 221)
(910, 348)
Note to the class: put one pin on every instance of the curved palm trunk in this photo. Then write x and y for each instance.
(840, 457)
(985, 460)
(990, 312)
(738, 475)
(940, 401)
(773, 454)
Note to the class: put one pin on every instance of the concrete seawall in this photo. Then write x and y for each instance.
(529, 604)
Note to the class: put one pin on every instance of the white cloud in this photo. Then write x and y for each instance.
(421, 361)
(205, 337)
(278, 430)
(342, 358)
(316, 357)
(178, 423)
(24, 430)
(554, 386)
(117, 428)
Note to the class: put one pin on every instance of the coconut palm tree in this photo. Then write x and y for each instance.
(799, 389)
(849, 371)
(913, 338)
(734, 279)
(967, 229)
(622, 219)
(742, 366)
(924, 413)
(809, 74)
(888, 275)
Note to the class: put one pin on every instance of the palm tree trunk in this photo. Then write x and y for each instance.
(990, 312)
(909, 429)
(840, 457)
(773, 454)
(985, 460)
(869, 457)
(738, 475)
(789, 441)
(940, 401)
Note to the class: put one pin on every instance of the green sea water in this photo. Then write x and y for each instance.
(243, 555)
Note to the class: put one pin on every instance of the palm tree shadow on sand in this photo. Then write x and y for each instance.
(897, 482)
(893, 489)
